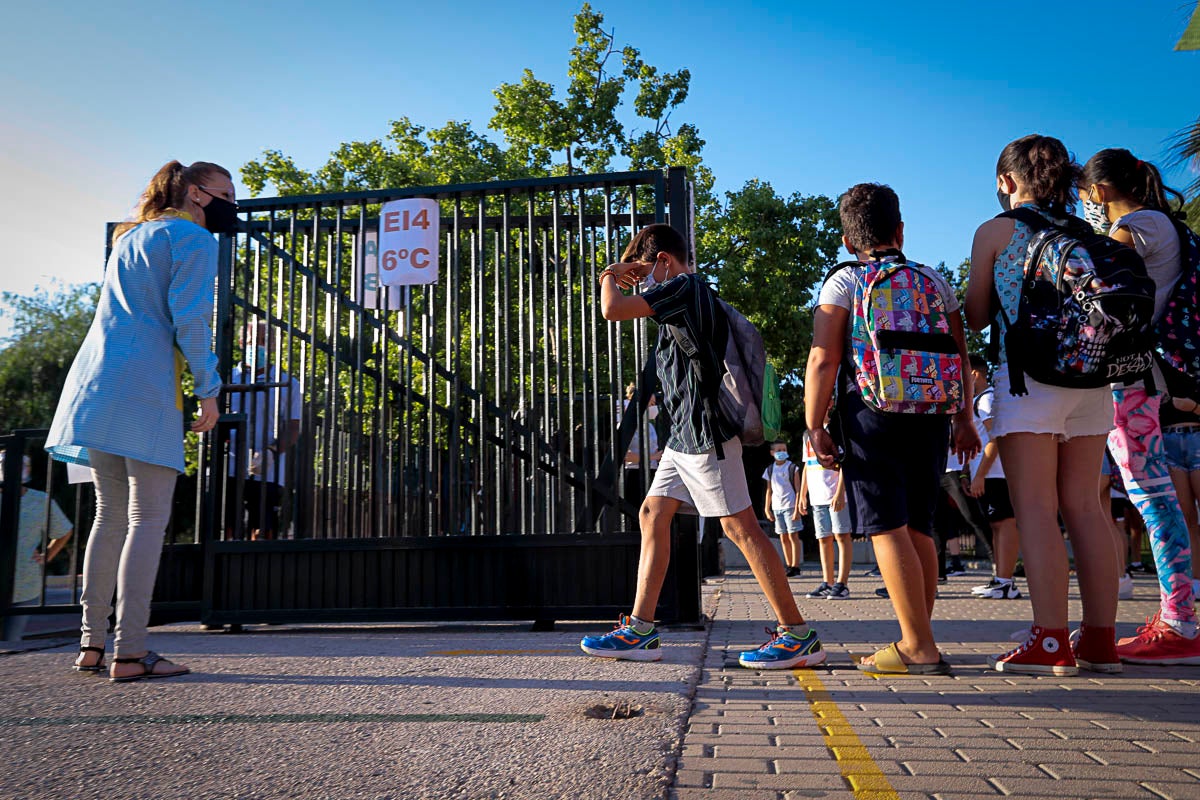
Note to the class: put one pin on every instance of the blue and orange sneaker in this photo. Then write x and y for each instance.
(624, 642)
(784, 651)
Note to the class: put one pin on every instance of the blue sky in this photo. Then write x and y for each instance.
(812, 97)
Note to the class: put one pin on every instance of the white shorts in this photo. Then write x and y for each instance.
(1065, 413)
(704, 485)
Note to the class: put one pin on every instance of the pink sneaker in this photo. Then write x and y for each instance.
(1157, 642)
(1045, 652)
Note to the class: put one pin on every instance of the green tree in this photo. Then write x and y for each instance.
(1191, 210)
(1187, 141)
(977, 341)
(48, 327)
(767, 254)
(764, 251)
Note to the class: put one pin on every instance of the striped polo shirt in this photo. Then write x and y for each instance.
(687, 302)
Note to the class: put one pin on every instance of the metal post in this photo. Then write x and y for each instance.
(10, 514)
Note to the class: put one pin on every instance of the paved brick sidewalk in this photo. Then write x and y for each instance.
(836, 732)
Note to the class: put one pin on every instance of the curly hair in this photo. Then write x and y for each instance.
(870, 214)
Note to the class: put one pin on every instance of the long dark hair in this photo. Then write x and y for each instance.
(1043, 165)
(1131, 177)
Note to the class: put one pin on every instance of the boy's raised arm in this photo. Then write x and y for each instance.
(616, 305)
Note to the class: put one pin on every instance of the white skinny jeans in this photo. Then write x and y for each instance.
(133, 505)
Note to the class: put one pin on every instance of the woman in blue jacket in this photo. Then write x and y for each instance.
(121, 411)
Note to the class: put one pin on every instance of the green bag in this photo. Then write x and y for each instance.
(772, 408)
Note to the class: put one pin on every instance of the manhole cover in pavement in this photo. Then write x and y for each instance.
(614, 711)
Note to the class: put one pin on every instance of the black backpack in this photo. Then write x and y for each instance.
(1178, 330)
(1086, 310)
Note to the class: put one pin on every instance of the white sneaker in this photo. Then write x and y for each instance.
(987, 587)
(1125, 588)
(1005, 591)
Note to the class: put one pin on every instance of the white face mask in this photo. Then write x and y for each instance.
(650, 280)
(1095, 215)
(652, 412)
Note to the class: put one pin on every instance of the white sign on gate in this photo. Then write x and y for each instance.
(408, 242)
(370, 293)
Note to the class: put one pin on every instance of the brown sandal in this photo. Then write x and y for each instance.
(148, 662)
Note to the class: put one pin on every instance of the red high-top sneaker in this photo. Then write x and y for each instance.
(1045, 652)
(1096, 650)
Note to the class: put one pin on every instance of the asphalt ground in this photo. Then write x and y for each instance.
(496, 711)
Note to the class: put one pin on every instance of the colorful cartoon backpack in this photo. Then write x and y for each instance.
(904, 357)
(1178, 329)
(1086, 309)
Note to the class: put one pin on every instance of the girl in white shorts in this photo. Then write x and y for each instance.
(1051, 440)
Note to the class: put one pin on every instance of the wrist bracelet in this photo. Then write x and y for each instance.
(603, 272)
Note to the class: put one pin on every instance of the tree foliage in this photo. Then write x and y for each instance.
(1191, 210)
(768, 253)
(977, 341)
(764, 251)
(48, 327)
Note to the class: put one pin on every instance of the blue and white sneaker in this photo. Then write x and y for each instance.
(784, 651)
(623, 642)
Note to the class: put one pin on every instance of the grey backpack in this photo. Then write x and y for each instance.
(748, 393)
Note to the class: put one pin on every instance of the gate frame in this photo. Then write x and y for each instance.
(227, 562)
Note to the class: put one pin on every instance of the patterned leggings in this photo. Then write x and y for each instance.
(1137, 446)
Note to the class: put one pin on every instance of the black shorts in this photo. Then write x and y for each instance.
(1120, 507)
(996, 499)
(893, 466)
(260, 507)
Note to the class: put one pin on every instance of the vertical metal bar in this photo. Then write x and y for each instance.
(527, 382)
(546, 499)
(584, 234)
(561, 434)
(598, 407)
(504, 381)
(337, 410)
(431, 474)
(481, 460)
(453, 474)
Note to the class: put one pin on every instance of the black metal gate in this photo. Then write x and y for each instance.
(460, 444)
(449, 451)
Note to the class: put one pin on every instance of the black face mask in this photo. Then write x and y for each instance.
(220, 215)
(1005, 200)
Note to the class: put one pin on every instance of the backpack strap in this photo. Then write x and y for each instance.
(978, 397)
(1030, 217)
(1016, 374)
(707, 398)
(838, 268)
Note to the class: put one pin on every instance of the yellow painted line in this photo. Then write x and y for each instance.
(496, 652)
(866, 780)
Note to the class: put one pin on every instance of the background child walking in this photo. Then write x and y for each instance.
(823, 492)
(781, 506)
